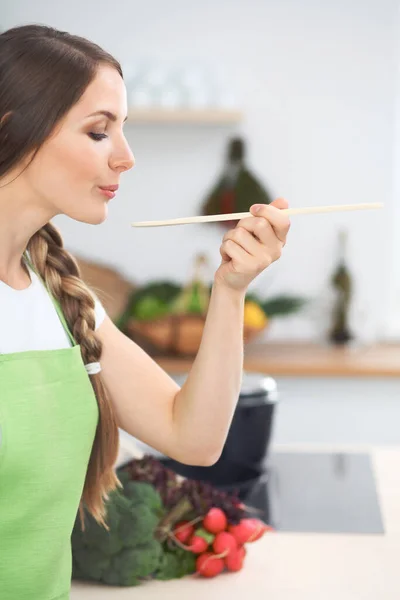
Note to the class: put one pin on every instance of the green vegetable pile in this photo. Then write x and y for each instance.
(161, 526)
(129, 552)
(141, 517)
(126, 553)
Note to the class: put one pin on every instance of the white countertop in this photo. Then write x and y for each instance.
(284, 566)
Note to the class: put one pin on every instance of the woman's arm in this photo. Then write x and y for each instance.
(188, 424)
(204, 407)
(191, 423)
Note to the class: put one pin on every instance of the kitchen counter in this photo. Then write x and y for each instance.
(286, 566)
(310, 359)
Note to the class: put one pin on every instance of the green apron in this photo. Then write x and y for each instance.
(48, 420)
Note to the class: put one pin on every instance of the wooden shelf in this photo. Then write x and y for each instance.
(195, 117)
(308, 360)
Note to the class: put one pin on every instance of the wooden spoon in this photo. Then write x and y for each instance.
(237, 216)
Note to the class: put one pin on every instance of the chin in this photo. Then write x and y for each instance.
(99, 219)
(93, 218)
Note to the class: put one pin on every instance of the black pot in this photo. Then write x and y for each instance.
(225, 475)
(251, 428)
(244, 454)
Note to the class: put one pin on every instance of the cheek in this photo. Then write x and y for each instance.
(67, 168)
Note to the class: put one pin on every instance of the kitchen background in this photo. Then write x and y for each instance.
(313, 90)
(317, 87)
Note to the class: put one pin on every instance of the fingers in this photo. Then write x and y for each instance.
(280, 203)
(242, 261)
(257, 241)
(244, 238)
(261, 231)
(278, 220)
(253, 244)
(260, 228)
(262, 251)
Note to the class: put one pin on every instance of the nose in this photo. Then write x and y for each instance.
(123, 159)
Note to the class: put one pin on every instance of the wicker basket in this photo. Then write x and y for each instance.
(175, 335)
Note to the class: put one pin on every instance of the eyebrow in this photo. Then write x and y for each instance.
(107, 114)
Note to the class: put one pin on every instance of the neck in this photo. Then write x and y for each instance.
(20, 218)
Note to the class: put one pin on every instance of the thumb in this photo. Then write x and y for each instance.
(280, 203)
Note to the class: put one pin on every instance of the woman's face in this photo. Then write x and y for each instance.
(86, 152)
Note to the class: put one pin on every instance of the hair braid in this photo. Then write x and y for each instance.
(61, 273)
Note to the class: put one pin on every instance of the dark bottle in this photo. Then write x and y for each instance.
(342, 282)
(237, 189)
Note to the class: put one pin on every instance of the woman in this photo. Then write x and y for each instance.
(62, 109)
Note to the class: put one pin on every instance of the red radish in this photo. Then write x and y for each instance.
(234, 560)
(209, 565)
(259, 529)
(224, 543)
(183, 531)
(248, 530)
(242, 532)
(215, 520)
(197, 544)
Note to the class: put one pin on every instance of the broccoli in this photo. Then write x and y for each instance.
(132, 565)
(92, 569)
(139, 526)
(129, 551)
(144, 494)
(175, 564)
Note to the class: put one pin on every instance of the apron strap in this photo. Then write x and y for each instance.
(55, 302)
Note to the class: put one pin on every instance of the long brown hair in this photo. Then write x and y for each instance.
(43, 73)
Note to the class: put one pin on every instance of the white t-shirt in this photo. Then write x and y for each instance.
(29, 320)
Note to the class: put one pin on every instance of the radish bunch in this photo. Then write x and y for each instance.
(219, 545)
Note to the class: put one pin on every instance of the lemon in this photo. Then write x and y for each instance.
(254, 316)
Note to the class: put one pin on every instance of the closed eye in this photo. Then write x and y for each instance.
(97, 136)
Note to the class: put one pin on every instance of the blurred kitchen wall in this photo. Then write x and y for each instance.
(318, 86)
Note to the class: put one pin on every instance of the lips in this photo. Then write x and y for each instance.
(109, 188)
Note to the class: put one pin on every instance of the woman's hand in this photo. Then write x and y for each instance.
(252, 245)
